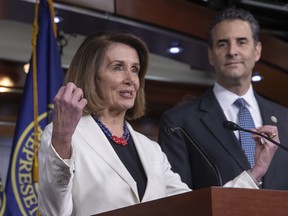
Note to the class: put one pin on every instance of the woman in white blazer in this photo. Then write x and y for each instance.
(91, 159)
(84, 170)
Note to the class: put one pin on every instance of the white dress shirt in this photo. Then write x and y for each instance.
(226, 100)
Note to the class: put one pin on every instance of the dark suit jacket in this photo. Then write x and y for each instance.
(202, 120)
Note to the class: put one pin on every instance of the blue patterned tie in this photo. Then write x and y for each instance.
(245, 121)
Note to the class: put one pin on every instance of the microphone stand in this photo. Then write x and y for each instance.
(207, 159)
(233, 126)
(264, 136)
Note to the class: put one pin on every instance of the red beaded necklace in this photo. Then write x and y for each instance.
(118, 140)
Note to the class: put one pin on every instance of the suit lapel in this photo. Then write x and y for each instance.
(213, 120)
(94, 137)
(267, 114)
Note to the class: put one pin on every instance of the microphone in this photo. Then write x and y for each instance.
(233, 127)
(202, 153)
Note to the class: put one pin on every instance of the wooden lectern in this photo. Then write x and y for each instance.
(214, 201)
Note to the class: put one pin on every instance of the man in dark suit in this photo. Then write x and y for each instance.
(217, 156)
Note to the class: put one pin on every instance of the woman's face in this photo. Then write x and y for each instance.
(117, 78)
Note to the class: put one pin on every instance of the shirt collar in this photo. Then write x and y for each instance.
(226, 98)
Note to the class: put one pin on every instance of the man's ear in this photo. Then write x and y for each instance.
(210, 56)
(258, 50)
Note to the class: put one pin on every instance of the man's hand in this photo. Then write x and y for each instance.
(264, 150)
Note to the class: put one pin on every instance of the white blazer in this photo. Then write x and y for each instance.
(95, 180)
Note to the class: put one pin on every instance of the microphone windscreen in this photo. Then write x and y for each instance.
(170, 129)
(230, 125)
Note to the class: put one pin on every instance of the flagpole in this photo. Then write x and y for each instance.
(35, 94)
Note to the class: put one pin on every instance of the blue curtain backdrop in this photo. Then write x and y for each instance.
(21, 186)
